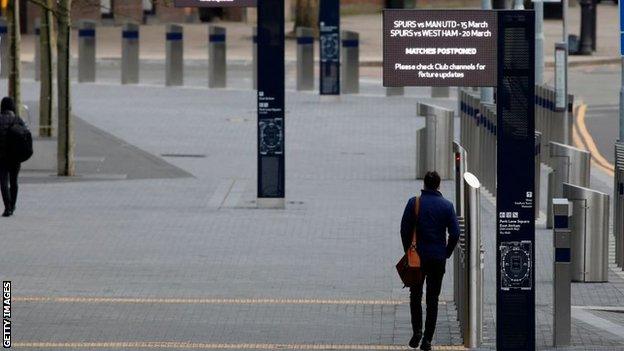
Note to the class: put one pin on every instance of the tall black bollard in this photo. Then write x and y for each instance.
(585, 46)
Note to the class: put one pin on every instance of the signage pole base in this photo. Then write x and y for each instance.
(330, 98)
(271, 203)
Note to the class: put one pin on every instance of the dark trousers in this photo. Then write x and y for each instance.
(433, 272)
(8, 184)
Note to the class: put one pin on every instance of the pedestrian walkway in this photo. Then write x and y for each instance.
(188, 262)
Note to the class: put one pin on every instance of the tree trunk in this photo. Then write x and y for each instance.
(14, 49)
(306, 15)
(65, 126)
(47, 71)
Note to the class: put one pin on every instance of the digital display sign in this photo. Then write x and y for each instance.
(439, 48)
(214, 3)
(515, 189)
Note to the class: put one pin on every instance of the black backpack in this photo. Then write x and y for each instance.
(20, 142)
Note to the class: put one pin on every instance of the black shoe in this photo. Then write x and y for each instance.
(7, 213)
(413, 343)
(426, 345)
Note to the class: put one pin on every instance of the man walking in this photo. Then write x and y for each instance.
(436, 215)
(9, 168)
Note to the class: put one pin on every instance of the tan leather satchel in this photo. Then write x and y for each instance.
(413, 259)
(408, 266)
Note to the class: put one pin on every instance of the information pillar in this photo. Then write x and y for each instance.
(329, 37)
(515, 278)
(271, 187)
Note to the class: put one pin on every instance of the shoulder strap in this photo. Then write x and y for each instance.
(417, 206)
(416, 212)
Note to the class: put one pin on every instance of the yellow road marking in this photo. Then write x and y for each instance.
(582, 138)
(214, 346)
(207, 301)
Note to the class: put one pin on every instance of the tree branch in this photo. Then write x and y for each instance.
(44, 6)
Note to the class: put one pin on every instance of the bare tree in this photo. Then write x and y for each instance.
(66, 165)
(14, 53)
(47, 70)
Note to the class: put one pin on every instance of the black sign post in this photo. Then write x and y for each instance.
(271, 179)
(515, 239)
(485, 48)
(329, 37)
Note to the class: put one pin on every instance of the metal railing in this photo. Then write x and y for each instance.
(478, 136)
(479, 130)
(550, 121)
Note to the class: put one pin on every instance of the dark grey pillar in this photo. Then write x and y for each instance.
(586, 45)
(4, 48)
(395, 91)
(350, 67)
(130, 54)
(254, 63)
(86, 51)
(440, 92)
(305, 58)
(37, 58)
(217, 70)
(174, 61)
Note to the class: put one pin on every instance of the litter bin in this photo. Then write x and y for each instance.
(589, 227)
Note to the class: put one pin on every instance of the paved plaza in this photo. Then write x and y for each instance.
(157, 243)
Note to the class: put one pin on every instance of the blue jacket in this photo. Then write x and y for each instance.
(436, 216)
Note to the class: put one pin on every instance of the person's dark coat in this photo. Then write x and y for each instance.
(6, 121)
(436, 217)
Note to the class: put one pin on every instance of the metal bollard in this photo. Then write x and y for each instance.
(254, 63)
(561, 274)
(217, 69)
(586, 45)
(130, 53)
(458, 271)
(473, 334)
(395, 91)
(434, 142)
(460, 168)
(558, 125)
(570, 120)
(37, 58)
(174, 62)
(570, 165)
(440, 92)
(589, 233)
(618, 204)
(548, 121)
(350, 67)
(538, 173)
(86, 51)
(305, 58)
(5, 59)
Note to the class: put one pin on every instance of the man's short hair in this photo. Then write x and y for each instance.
(432, 180)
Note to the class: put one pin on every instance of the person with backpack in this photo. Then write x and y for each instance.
(9, 163)
(429, 216)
